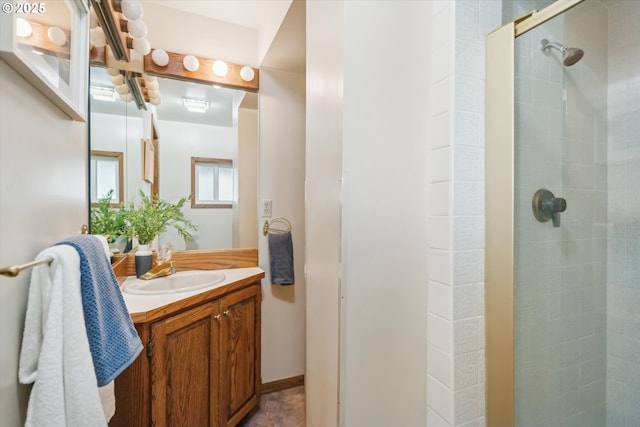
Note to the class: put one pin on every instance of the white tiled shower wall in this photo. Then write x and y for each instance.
(455, 382)
(559, 271)
(623, 254)
(582, 315)
(572, 299)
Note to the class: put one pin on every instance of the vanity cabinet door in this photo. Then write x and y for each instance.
(185, 368)
(240, 354)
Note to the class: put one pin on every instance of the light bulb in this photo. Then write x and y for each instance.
(137, 29)
(160, 57)
(93, 18)
(191, 63)
(142, 46)
(147, 78)
(220, 68)
(155, 101)
(57, 36)
(113, 71)
(131, 9)
(152, 84)
(97, 37)
(23, 28)
(247, 74)
(153, 93)
(122, 89)
(127, 98)
(117, 80)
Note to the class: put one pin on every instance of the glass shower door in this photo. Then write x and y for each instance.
(577, 256)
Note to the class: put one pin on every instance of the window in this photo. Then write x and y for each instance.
(106, 175)
(211, 183)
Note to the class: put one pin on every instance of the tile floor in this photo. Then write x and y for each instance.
(284, 408)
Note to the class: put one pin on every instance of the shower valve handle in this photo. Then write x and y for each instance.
(556, 206)
(547, 207)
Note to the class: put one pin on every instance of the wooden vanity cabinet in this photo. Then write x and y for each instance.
(240, 357)
(185, 368)
(201, 367)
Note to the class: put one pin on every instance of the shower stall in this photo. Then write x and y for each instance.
(563, 217)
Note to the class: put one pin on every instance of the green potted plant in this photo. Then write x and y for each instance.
(107, 220)
(151, 218)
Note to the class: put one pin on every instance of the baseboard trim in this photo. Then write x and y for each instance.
(282, 384)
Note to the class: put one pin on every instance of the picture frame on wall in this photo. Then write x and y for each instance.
(148, 160)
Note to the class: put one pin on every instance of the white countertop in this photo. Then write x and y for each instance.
(144, 303)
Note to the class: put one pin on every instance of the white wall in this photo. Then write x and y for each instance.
(247, 177)
(384, 226)
(281, 178)
(43, 183)
(367, 126)
(325, 34)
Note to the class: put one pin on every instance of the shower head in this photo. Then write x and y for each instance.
(570, 55)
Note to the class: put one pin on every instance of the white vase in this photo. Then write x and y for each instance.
(143, 260)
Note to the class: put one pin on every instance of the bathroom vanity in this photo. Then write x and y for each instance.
(201, 362)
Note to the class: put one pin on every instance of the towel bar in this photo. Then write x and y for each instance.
(267, 227)
(14, 270)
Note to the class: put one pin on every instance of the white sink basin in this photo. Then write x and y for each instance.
(182, 281)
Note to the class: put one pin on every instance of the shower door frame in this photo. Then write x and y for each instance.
(499, 206)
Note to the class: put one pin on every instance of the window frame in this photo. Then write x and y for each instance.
(194, 202)
(119, 157)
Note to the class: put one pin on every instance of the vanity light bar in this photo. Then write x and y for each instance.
(109, 26)
(228, 75)
(41, 37)
(135, 90)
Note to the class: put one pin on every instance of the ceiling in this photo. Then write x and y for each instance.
(255, 14)
(283, 39)
(286, 50)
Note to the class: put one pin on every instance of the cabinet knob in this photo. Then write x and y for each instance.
(227, 313)
(217, 317)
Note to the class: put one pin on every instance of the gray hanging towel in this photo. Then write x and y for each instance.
(281, 258)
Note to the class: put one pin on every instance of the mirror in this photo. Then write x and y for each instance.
(46, 43)
(219, 124)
